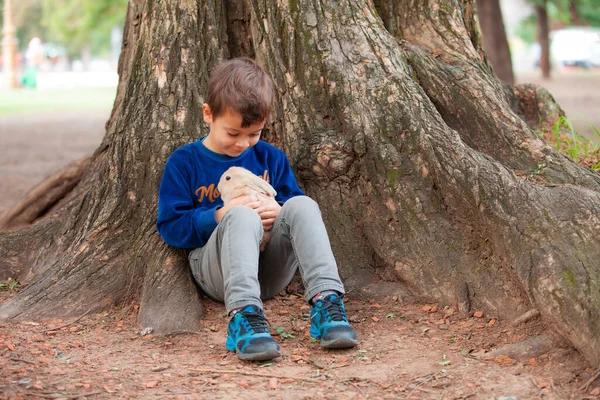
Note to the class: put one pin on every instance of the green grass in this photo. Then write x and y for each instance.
(568, 142)
(28, 101)
(9, 284)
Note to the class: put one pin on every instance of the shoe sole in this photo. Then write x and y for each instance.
(339, 343)
(264, 356)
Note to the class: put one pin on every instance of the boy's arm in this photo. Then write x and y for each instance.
(180, 222)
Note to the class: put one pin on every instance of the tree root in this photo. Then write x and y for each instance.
(586, 386)
(528, 316)
(536, 106)
(463, 301)
(45, 195)
(522, 351)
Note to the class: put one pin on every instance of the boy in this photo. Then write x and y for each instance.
(225, 260)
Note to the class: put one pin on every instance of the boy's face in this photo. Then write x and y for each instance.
(227, 135)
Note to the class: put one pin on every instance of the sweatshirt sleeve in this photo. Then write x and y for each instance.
(180, 222)
(285, 182)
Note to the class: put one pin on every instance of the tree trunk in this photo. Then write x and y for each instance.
(425, 167)
(543, 37)
(575, 18)
(494, 39)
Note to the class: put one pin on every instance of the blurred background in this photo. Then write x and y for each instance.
(58, 75)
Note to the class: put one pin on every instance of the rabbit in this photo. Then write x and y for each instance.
(237, 182)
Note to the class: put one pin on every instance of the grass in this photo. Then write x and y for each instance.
(9, 284)
(28, 101)
(564, 138)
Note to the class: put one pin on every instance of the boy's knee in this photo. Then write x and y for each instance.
(302, 204)
(242, 213)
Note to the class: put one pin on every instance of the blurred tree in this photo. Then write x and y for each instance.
(82, 25)
(573, 13)
(576, 12)
(562, 13)
(27, 17)
(494, 39)
(543, 35)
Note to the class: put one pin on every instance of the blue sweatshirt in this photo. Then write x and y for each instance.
(188, 195)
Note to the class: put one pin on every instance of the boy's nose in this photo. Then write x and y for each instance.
(243, 143)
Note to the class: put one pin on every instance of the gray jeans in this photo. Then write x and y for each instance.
(231, 269)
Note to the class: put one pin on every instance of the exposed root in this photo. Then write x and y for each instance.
(586, 386)
(536, 106)
(528, 316)
(525, 350)
(45, 195)
(463, 301)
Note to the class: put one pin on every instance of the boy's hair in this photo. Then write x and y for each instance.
(242, 86)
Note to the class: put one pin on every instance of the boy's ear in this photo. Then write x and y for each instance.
(207, 113)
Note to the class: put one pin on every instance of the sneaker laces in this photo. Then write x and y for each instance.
(256, 321)
(334, 308)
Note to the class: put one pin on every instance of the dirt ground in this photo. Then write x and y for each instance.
(407, 351)
(33, 147)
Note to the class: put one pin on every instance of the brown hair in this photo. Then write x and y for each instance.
(242, 86)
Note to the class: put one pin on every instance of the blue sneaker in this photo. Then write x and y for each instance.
(329, 323)
(249, 336)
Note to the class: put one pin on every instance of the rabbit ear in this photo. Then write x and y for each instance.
(262, 186)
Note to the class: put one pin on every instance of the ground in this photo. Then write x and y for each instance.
(410, 351)
(407, 350)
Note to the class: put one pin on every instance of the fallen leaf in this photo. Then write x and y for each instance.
(244, 383)
(375, 319)
(10, 347)
(478, 314)
(504, 360)
(596, 391)
(151, 384)
(273, 383)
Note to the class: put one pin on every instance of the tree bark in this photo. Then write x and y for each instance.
(495, 42)
(425, 166)
(543, 37)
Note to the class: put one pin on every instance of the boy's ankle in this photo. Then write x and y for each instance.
(322, 295)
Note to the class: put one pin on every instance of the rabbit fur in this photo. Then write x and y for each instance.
(237, 182)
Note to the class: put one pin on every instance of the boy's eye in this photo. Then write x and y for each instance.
(227, 178)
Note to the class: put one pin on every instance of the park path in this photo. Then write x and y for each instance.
(35, 146)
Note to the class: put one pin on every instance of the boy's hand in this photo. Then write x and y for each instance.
(249, 201)
(269, 210)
